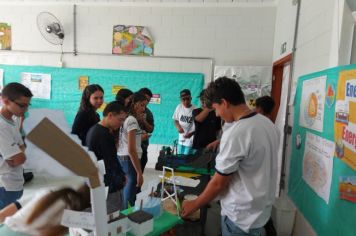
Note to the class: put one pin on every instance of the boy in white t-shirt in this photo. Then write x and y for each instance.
(16, 100)
(246, 166)
(184, 122)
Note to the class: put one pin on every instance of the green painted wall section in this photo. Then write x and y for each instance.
(339, 216)
(65, 94)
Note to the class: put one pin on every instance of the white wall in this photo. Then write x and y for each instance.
(229, 34)
(317, 47)
(284, 33)
(237, 33)
(346, 35)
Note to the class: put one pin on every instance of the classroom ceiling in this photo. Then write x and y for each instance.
(162, 1)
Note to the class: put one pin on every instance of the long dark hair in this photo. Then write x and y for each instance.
(136, 97)
(122, 94)
(85, 104)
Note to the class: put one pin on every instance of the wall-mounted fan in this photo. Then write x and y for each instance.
(50, 28)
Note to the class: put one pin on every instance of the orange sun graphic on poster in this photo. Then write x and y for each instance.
(313, 105)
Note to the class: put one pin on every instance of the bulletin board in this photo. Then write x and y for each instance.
(66, 95)
(324, 104)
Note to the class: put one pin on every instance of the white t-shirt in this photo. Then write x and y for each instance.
(185, 118)
(11, 178)
(248, 152)
(129, 124)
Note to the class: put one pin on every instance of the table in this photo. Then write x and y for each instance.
(162, 224)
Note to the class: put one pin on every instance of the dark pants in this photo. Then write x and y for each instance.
(144, 159)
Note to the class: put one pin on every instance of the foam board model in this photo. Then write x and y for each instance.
(141, 222)
(52, 140)
(118, 225)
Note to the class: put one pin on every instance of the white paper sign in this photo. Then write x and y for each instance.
(78, 219)
(312, 105)
(184, 181)
(318, 164)
(39, 84)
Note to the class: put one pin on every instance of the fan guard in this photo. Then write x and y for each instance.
(50, 28)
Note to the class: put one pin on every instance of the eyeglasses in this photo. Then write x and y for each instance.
(22, 106)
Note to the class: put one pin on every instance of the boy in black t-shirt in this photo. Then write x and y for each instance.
(207, 124)
(101, 140)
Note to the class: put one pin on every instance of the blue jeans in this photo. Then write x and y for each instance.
(8, 197)
(229, 228)
(130, 189)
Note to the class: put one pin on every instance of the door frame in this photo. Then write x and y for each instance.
(277, 77)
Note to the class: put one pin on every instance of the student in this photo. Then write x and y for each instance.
(183, 121)
(124, 96)
(16, 100)
(246, 166)
(130, 151)
(101, 140)
(207, 124)
(92, 99)
(147, 125)
(265, 105)
(41, 215)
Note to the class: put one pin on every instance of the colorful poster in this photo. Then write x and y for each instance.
(318, 164)
(312, 105)
(156, 99)
(255, 81)
(347, 188)
(83, 81)
(132, 40)
(5, 36)
(102, 107)
(330, 95)
(39, 84)
(116, 88)
(345, 118)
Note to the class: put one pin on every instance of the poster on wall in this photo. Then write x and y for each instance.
(255, 81)
(312, 104)
(155, 99)
(345, 118)
(318, 164)
(39, 84)
(5, 36)
(347, 188)
(116, 88)
(132, 40)
(83, 81)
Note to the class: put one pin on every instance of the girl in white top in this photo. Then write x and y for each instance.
(129, 151)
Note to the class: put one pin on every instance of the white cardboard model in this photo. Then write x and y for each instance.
(63, 149)
(173, 196)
